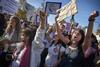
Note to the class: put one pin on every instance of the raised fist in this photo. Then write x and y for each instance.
(42, 15)
(93, 15)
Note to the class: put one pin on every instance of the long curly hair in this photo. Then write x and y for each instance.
(81, 40)
(29, 32)
(9, 29)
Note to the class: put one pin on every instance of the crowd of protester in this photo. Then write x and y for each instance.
(29, 45)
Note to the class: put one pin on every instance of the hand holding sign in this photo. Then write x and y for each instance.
(67, 10)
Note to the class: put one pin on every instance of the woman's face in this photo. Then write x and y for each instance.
(23, 37)
(76, 36)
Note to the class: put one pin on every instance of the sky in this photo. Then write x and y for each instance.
(85, 7)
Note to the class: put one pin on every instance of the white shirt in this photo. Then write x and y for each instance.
(46, 43)
(53, 55)
(16, 62)
(37, 48)
(9, 36)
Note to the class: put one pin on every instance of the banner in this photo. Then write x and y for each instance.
(67, 10)
(52, 7)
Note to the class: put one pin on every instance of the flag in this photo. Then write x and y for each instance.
(67, 10)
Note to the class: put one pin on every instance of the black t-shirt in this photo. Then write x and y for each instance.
(72, 58)
(90, 59)
(3, 59)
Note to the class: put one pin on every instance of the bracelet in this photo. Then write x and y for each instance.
(91, 19)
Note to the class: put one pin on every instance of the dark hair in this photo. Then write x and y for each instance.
(65, 33)
(17, 20)
(2, 24)
(95, 39)
(82, 39)
(30, 33)
(17, 28)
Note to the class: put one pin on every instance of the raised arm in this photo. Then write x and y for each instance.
(87, 41)
(48, 32)
(40, 33)
(59, 33)
(42, 20)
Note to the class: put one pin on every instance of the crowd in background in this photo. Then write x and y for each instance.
(24, 44)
